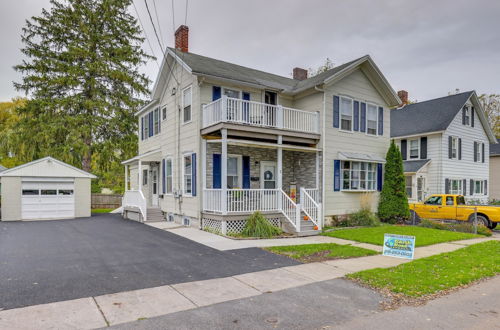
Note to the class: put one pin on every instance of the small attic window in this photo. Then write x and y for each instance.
(466, 116)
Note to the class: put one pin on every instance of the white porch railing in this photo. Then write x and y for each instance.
(136, 199)
(310, 207)
(232, 110)
(314, 193)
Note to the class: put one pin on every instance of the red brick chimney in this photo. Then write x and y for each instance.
(403, 95)
(299, 74)
(182, 38)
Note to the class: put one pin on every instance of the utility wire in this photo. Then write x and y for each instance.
(158, 20)
(146, 35)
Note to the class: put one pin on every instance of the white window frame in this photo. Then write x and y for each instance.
(454, 140)
(340, 114)
(481, 185)
(239, 169)
(190, 105)
(479, 151)
(359, 180)
(156, 121)
(146, 126)
(409, 149)
(467, 116)
(376, 119)
(145, 173)
(410, 196)
(240, 93)
(163, 112)
(167, 160)
(184, 174)
(460, 188)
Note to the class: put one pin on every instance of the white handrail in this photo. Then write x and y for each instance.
(290, 210)
(310, 207)
(135, 198)
(233, 110)
(314, 193)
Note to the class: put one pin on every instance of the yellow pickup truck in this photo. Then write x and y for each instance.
(453, 207)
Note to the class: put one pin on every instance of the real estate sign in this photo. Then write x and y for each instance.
(399, 246)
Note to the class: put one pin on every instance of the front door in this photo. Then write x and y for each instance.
(154, 186)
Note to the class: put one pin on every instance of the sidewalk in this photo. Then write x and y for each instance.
(101, 311)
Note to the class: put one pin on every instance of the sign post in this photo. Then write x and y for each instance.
(399, 246)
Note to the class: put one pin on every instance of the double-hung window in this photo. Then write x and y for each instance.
(187, 100)
(346, 117)
(144, 177)
(371, 119)
(360, 176)
(414, 148)
(164, 112)
(478, 187)
(156, 121)
(188, 174)
(409, 186)
(479, 151)
(467, 115)
(454, 147)
(456, 187)
(169, 181)
(233, 172)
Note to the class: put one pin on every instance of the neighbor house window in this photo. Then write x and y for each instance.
(456, 186)
(360, 176)
(454, 147)
(414, 149)
(371, 119)
(467, 116)
(188, 174)
(409, 186)
(164, 112)
(144, 177)
(233, 172)
(479, 151)
(478, 187)
(346, 114)
(187, 99)
(169, 183)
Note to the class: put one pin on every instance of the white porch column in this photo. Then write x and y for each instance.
(279, 179)
(139, 168)
(223, 171)
(126, 177)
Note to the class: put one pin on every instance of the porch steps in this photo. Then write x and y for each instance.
(307, 228)
(155, 215)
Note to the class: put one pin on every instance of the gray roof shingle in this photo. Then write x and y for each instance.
(412, 166)
(217, 68)
(427, 116)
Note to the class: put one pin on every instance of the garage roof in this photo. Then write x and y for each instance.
(46, 167)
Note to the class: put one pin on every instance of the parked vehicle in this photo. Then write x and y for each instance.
(453, 207)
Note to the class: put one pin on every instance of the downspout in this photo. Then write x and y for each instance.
(323, 131)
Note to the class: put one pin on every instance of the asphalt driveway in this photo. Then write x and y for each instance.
(48, 261)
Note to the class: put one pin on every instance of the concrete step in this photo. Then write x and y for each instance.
(309, 233)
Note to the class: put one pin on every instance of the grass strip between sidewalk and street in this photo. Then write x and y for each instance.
(320, 252)
(423, 236)
(101, 210)
(441, 272)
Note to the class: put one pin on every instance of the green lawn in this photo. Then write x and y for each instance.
(440, 272)
(319, 252)
(101, 210)
(375, 235)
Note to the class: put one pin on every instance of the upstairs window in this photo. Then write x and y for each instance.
(371, 119)
(466, 116)
(454, 148)
(164, 112)
(187, 100)
(156, 121)
(346, 114)
(414, 149)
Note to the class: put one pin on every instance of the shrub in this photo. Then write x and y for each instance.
(258, 226)
(393, 205)
(462, 227)
(363, 217)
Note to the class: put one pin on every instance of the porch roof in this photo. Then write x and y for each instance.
(413, 166)
(360, 157)
(150, 156)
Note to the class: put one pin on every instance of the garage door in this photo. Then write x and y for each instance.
(46, 200)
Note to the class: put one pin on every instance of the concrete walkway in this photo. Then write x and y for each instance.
(111, 309)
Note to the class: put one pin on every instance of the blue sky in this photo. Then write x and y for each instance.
(429, 48)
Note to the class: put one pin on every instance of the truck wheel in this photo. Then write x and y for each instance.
(492, 225)
(481, 220)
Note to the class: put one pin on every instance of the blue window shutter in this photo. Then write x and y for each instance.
(336, 111)
(193, 174)
(380, 121)
(216, 93)
(336, 175)
(246, 112)
(163, 183)
(472, 116)
(142, 128)
(356, 116)
(362, 126)
(216, 169)
(246, 172)
(151, 124)
(380, 182)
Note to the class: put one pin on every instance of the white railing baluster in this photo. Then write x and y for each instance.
(310, 207)
(136, 199)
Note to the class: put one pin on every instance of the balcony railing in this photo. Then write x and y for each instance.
(238, 111)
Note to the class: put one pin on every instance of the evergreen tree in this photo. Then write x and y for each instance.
(393, 204)
(81, 74)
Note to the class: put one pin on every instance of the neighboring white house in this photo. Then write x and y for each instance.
(45, 189)
(445, 146)
(219, 141)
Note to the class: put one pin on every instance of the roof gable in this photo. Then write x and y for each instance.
(47, 167)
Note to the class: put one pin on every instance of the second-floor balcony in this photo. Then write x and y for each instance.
(238, 111)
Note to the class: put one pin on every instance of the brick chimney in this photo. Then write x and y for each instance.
(403, 95)
(299, 74)
(182, 38)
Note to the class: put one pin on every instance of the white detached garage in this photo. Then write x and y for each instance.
(45, 189)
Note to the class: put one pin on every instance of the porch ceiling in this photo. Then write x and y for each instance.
(265, 145)
(150, 156)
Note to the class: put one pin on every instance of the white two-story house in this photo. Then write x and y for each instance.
(219, 141)
(445, 145)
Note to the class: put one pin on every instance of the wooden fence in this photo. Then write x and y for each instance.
(105, 201)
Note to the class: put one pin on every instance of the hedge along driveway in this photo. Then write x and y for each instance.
(375, 235)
